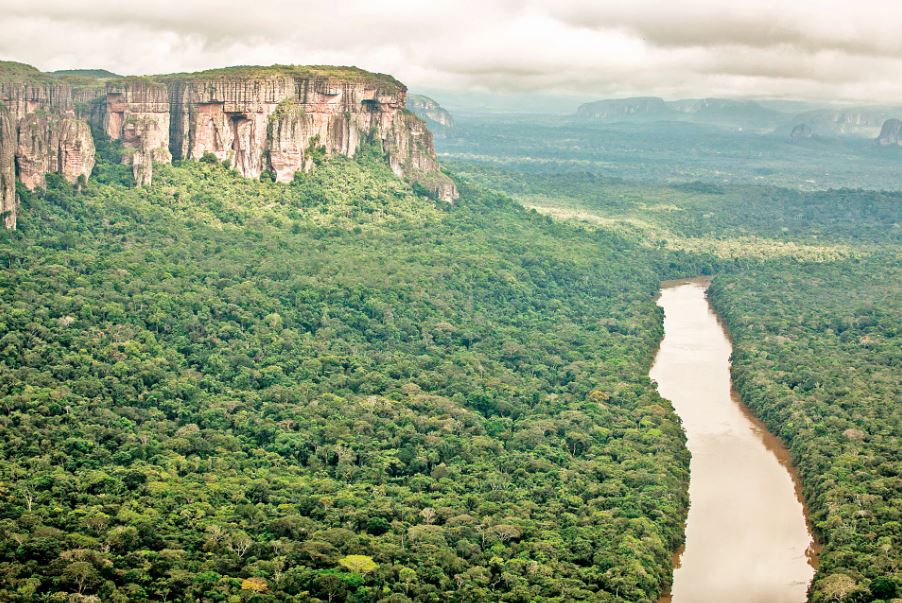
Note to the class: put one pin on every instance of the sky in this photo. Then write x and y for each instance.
(841, 50)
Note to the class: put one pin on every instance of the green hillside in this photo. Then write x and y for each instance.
(217, 389)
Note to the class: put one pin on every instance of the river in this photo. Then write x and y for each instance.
(747, 537)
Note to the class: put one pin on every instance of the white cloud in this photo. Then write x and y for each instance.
(791, 48)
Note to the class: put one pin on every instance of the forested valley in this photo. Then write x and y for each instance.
(219, 389)
(341, 388)
(809, 287)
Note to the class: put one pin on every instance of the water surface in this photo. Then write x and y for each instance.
(747, 538)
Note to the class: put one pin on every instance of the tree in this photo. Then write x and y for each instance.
(360, 564)
(255, 583)
(81, 574)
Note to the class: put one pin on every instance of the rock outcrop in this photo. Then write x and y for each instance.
(43, 129)
(436, 117)
(137, 113)
(409, 148)
(57, 144)
(801, 132)
(890, 133)
(256, 119)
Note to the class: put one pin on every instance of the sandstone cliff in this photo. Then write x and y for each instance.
(137, 113)
(436, 117)
(890, 133)
(257, 119)
(7, 168)
(41, 130)
(269, 120)
(57, 144)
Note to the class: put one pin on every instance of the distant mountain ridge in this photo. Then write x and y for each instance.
(781, 117)
(862, 122)
(717, 111)
(95, 73)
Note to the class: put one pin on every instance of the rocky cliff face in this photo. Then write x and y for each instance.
(59, 144)
(890, 133)
(41, 130)
(7, 168)
(801, 132)
(267, 119)
(436, 117)
(272, 120)
(137, 113)
(863, 122)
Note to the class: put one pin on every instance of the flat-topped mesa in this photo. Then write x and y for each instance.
(41, 130)
(436, 117)
(256, 119)
(272, 119)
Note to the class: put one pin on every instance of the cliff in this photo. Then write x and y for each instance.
(861, 122)
(137, 113)
(7, 168)
(41, 130)
(257, 119)
(801, 132)
(890, 133)
(436, 117)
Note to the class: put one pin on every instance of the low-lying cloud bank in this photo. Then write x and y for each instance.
(816, 49)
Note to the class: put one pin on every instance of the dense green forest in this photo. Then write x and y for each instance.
(217, 389)
(809, 286)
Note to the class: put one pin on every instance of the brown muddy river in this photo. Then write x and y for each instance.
(747, 539)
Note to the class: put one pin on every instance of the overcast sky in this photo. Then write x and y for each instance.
(812, 49)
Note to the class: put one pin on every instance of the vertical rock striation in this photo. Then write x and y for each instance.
(136, 112)
(272, 119)
(7, 168)
(43, 129)
(53, 144)
(256, 119)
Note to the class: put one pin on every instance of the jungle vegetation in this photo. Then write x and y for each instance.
(809, 285)
(217, 389)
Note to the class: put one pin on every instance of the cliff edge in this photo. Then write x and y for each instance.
(257, 119)
(437, 118)
(890, 133)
